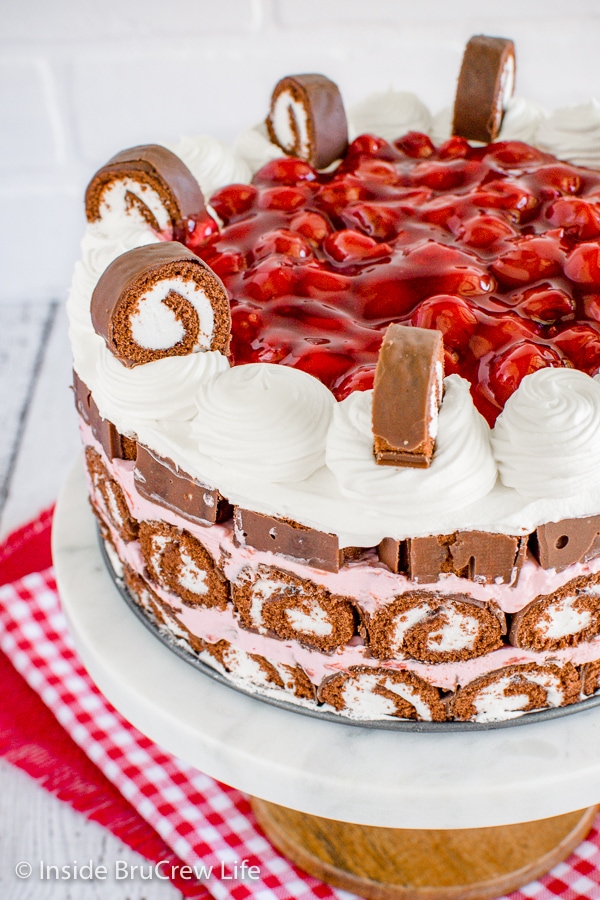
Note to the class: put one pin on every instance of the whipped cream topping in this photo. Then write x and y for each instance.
(160, 390)
(255, 148)
(572, 134)
(212, 162)
(547, 439)
(462, 470)
(389, 114)
(268, 421)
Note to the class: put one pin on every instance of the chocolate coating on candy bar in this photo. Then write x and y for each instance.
(114, 444)
(312, 547)
(407, 396)
(156, 169)
(557, 545)
(127, 299)
(307, 119)
(485, 85)
(160, 481)
(475, 555)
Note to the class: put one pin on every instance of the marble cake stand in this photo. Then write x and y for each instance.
(429, 812)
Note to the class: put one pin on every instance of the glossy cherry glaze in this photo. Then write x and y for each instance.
(498, 247)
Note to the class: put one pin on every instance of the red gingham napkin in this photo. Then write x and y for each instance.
(200, 820)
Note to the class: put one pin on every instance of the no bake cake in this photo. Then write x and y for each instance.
(337, 389)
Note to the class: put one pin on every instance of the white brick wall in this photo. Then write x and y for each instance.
(81, 79)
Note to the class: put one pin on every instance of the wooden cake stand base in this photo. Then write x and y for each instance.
(422, 864)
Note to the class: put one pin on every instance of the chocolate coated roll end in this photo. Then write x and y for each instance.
(149, 182)
(160, 300)
(407, 396)
(307, 119)
(485, 85)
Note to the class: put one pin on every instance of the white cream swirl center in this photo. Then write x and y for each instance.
(547, 439)
(269, 422)
(462, 470)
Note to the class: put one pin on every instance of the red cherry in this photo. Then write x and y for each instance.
(583, 263)
(286, 170)
(440, 176)
(350, 246)
(286, 199)
(378, 171)
(246, 325)
(578, 217)
(591, 306)
(454, 148)
(371, 145)
(314, 281)
(529, 259)
(554, 180)
(514, 154)
(494, 333)
(284, 242)
(272, 277)
(509, 368)
(339, 193)
(581, 344)
(440, 269)
(483, 231)
(415, 145)
(545, 304)
(377, 220)
(228, 263)
(451, 315)
(233, 200)
(198, 232)
(500, 194)
(311, 225)
(360, 379)
(325, 365)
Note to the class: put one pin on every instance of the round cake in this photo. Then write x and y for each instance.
(338, 393)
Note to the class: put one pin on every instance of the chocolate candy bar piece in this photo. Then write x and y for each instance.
(160, 300)
(485, 85)
(557, 545)
(307, 545)
(114, 444)
(307, 119)
(153, 182)
(407, 396)
(485, 557)
(160, 481)
(475, 555)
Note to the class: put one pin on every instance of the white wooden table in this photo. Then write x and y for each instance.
(38, 442)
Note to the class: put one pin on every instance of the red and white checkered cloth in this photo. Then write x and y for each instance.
(202, 821)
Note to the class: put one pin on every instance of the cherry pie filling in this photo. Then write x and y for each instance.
(497, 247)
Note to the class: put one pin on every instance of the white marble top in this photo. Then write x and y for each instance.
(393, 779)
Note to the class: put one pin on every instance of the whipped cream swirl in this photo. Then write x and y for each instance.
(212, 162)
(162, 390)
(462, 470)
(547, 439)
(266, 421)
(572, 134)
(390, 114)
(255, 148)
